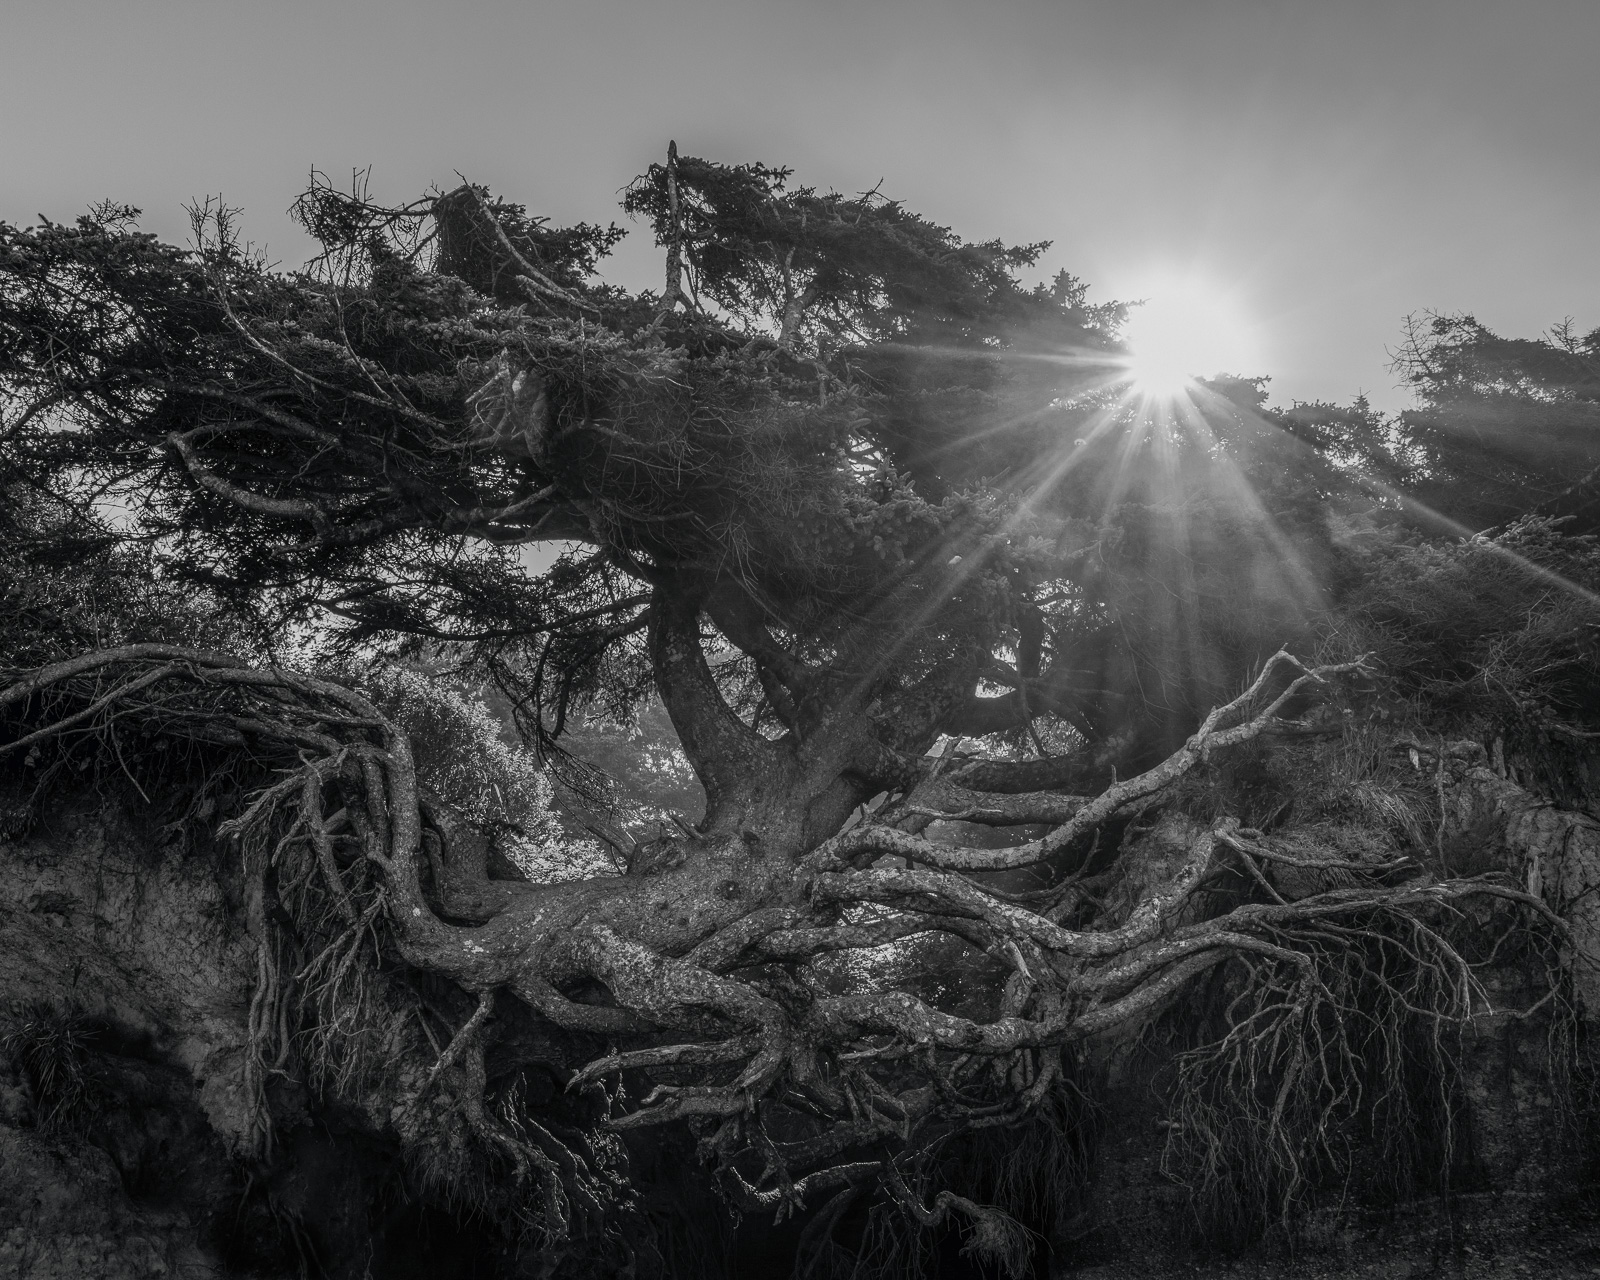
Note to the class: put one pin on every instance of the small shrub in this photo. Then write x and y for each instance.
(51, 1047)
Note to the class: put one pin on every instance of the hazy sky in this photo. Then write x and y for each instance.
(1334, 164)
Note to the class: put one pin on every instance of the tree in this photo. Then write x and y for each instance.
(869, 516)
(1504, 426)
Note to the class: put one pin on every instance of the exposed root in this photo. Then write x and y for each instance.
(1305, 1066)
(465, 1040)
(1332, 957)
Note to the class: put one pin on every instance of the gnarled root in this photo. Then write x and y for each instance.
(710, 975)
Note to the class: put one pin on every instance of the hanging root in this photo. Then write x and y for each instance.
(346, 1029)
(1355, 1049)
(336, 1011)
(478, 1144)
(983, 1181)
(321, 1002)
(992, 1236)
(463, 1040)
(1037, 1169)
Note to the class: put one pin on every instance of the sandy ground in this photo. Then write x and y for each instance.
(1484, 1237)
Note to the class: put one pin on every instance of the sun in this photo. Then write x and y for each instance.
(1185, 330)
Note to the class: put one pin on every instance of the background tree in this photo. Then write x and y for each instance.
(1502, 426)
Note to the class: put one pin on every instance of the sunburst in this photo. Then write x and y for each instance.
(1184, 331)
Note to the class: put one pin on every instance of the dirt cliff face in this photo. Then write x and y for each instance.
(126, 978)
(124, 996)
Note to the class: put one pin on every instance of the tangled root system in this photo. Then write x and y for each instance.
(1313, 1081)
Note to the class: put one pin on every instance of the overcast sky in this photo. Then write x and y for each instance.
(1334, 164)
